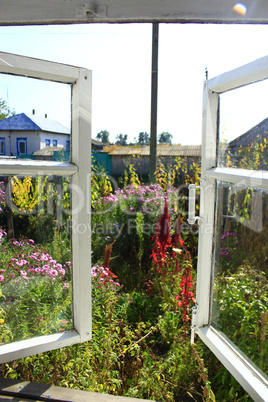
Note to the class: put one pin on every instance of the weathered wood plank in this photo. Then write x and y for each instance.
(20, 390)
(13, 12)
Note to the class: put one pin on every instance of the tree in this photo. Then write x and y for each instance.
(121, 139)
(4, 110)
(144, 138)
(103, 136)
(165, 138)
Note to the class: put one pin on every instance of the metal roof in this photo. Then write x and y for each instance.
(162, 150)
(256, 133)
(22, 122)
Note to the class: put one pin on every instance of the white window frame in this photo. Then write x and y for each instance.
(252, 380)
(79, 170)
(2, 144)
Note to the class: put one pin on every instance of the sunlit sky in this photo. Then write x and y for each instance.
(120, 57)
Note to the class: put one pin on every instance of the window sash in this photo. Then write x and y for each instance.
(79, 170)
(249, 377)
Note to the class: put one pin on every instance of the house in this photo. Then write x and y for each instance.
(97, 145)
(257, 134)
(23, 135)
(244, 145)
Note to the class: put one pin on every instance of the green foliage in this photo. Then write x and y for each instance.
(121, 139)
(143, 138)
(242, 300)
(165, 138)
(32, 285)
(5, 110)
(100, 184)
(130, 176)
(103, 136)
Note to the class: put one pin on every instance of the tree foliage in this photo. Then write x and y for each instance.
(165, 138)
(144, 138)
(121, 139)
(103, 136)
(5, 111)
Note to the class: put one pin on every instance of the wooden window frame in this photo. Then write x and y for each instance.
(252, 379)
(78, 169)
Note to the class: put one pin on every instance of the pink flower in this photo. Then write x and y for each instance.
(53, 272)
(2, 278)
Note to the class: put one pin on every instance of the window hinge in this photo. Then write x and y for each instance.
(193, 326)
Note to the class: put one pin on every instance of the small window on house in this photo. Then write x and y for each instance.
(21, 146)
(67, 145)
(2, 146)
(47, 142)
(55, 143)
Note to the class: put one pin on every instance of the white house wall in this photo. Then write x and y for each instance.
(61, 139)
(35, 140)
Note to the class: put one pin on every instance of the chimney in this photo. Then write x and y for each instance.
(46, 116)
(33, 111)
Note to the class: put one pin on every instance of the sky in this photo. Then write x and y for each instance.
(119, 56)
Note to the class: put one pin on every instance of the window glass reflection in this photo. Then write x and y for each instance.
(240, 290)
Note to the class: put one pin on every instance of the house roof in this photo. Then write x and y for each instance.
(22, 122)
(162, 150)
(48, 151)
(97, 143)
(256, 133)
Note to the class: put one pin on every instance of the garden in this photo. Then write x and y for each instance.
(143, 271)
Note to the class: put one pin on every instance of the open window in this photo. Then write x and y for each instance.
(230, 315)
(60, 191)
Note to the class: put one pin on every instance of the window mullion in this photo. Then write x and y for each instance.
(26, 167)
(81, 205)
(207, 206)
(249, 178)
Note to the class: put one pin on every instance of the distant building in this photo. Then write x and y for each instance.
(97, 145)
(139, 156)
(24, 135)
(242, 147)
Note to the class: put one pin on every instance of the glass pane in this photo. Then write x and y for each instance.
(240, 298)
(35, 256)
(34, 114)
(243, 130)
